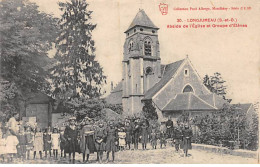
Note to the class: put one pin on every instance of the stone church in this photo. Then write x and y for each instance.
(172, 88)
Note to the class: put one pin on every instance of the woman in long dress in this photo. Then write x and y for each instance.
(87, 144)
(11, 144)
(71, 135)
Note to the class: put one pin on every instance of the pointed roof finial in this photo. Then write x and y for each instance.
(187, 56)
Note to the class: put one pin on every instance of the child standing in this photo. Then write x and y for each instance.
(55, 140)
(29, 136)
(121, 136)
(162, 139)
(11, 144)
(38, 143)
(47, 141)
(2, 146)
(154, 139)
(21, 148)
(62, 142)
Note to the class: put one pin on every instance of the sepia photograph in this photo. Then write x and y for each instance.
(129, 82)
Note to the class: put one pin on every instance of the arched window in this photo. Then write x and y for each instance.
(187, 88)
(130, 46)
(147, 47)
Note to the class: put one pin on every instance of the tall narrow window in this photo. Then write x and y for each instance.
(147, 48)
(130, 46)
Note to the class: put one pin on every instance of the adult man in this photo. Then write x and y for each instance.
(87, 144)
(136, 133)
(128, 131)
(111, 141)
(169, 127)
(100, 136)
(70, 134)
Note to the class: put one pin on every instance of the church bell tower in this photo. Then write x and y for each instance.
(141, 62)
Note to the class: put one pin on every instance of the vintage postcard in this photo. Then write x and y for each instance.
(129, 81)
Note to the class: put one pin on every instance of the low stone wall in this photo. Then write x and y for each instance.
(223, 150)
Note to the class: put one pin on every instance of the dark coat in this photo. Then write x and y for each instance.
(21, 149)
(177, 134)
(144, 134)
(128, 131)
(62, 142)
(162, 138)
(29, 140)
(112, 137)
(169, 128)
(46, 141)
(100, 137)
(71, 139)
(136, 133)
(87, 143)
(187, 134)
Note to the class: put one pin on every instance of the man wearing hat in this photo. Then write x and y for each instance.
(87, 144)
(70, 134)
(100, 136)
(136, 133)
(111, 141)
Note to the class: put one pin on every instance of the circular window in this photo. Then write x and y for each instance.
(153, 31)
(141, 29)
(148, 71)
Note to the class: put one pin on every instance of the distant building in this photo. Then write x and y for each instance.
(40, 106)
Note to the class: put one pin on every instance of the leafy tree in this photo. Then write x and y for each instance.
(149, 111)
(7, 95)
(26, 37)
(82, 107)
(77, 71)
(216, 84)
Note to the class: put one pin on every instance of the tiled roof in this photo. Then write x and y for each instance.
(115, 97)
(141, 19)
(214, 100)
(243, 107)
(188, 102)
(167, 72)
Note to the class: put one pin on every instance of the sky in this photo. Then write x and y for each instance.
(233, 52)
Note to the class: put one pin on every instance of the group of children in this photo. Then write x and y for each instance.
(28, 140)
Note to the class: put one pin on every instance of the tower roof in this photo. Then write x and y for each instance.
(141, 19)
